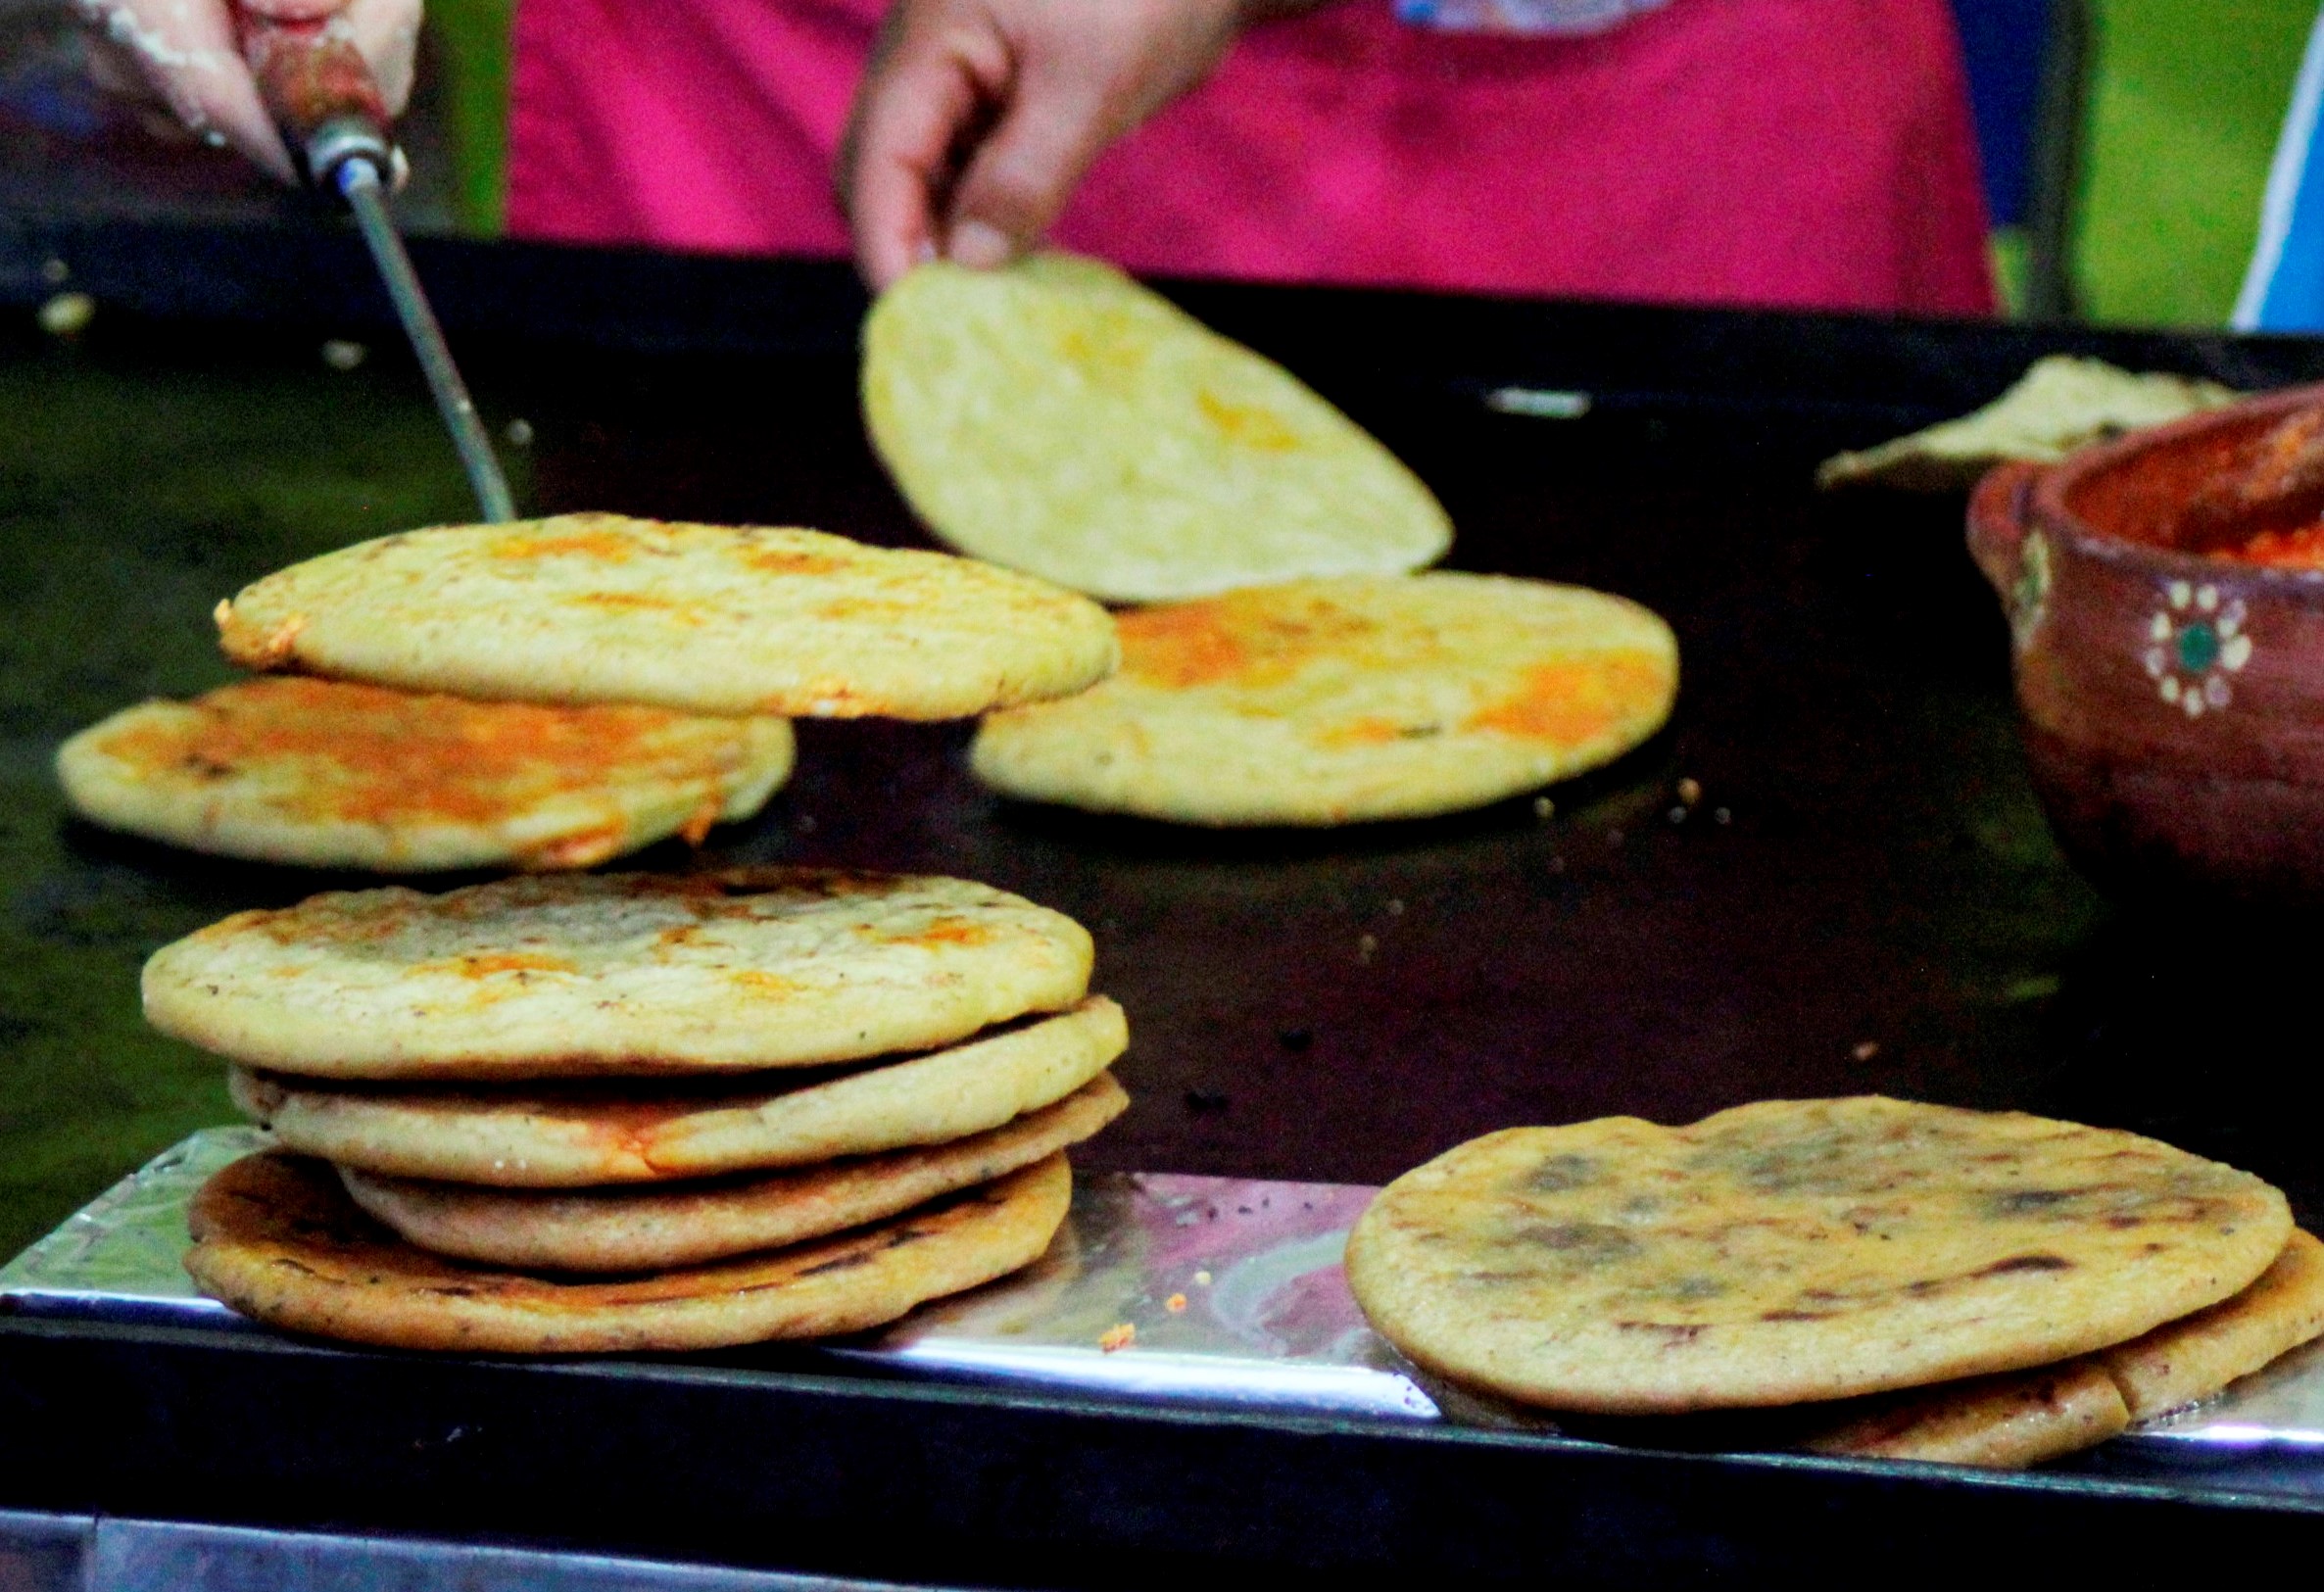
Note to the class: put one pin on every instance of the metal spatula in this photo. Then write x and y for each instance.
(320, 90)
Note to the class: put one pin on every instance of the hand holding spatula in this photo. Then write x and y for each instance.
(190, 54)
(318, 87)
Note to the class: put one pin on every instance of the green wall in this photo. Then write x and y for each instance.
(470, 41)
(2185, 104)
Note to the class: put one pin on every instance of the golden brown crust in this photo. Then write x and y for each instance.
(739, 620)
(1334, 701)
(585, 1135)
(2004, 1423)
(276, 1238)
(2197, 1356)
(615, 974)
(1794, 1251)
(2028, 1416)
(622, 1230)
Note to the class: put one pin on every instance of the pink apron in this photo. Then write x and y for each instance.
(1810, 153)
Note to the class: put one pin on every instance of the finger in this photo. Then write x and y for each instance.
(222, 98)
(223, 108)
(189, 54)
(387, 32)
(910, 112)
(1017, 180)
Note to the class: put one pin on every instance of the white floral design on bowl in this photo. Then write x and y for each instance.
(2194, 644)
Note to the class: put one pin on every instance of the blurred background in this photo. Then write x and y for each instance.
(70, 150)
(2125, 143)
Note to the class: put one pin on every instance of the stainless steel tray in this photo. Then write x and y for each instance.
(1163, 1288)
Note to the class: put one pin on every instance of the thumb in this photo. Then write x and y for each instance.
(1017, 183)
(387, 32)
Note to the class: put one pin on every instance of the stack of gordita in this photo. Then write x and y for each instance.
(570, 1114)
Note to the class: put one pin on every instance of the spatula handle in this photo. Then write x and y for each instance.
(320, 90)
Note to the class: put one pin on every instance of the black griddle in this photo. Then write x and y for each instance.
(1864, 899)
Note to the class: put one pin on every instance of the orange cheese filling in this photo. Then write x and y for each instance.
(485, 964)
(1575, 701)
(788, 561)
(627, 601)
(610, 546)
(954, 932)
(1242, 637)
(375, 755)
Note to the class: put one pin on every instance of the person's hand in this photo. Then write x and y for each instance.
(977, 118)
(186, 52)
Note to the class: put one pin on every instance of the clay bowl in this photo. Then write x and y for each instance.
(2172, 703)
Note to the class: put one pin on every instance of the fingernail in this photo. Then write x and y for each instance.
(981, 245)
(926, 251)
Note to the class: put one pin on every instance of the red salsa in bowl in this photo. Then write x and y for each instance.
(2301, 547)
